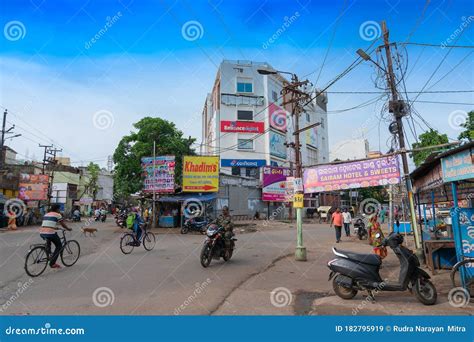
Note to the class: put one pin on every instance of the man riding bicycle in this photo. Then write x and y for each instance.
(48, 232)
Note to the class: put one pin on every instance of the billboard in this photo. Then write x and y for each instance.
(200, 174)
(458, 166)
(352, 175)
(243, 162)
(275, 184)
(242, 127)
(277, 145)
(33, 187)
(163, 179)
(311, 137)
(278, 117)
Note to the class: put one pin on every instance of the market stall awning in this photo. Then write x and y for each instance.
(189, 196)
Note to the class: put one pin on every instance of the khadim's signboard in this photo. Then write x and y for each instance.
(200, 174)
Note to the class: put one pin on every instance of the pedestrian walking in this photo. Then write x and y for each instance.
(347, 219)
(337, 220)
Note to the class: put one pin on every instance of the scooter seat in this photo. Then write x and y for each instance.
(371, 259)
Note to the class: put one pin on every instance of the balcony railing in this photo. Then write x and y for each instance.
(242, 100)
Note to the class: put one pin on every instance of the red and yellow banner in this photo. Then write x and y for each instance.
(200, 174)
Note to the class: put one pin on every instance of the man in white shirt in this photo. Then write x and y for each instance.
(347, 219)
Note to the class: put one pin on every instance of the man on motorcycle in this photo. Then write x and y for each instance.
(225, 221)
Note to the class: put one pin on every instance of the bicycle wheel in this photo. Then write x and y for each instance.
(456, 274)
(70, 253)
(127, 243)
(36, 261)
(149, 241)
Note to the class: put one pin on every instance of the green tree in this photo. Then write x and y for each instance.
(468, 133)
(429, 138)
(139, 143)
(92, 186)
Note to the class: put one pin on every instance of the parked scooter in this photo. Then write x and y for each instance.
(197, 224)
(352, 272)
(215, 246)
(360, 230)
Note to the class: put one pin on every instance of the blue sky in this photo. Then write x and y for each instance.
(55, 79)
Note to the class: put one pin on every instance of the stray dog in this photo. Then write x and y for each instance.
(91, 231)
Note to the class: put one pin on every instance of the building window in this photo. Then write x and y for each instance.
(245, 144)
(244, 115)
(252, 172)
(322, 123)
(244, 85)
(312, 156)
(308, 117)
(274, 96)
(235, 171)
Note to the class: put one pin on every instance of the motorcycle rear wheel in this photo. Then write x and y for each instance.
(425, 291)
(227, 255)
(206, 255)
(184, 230)
(343, 292)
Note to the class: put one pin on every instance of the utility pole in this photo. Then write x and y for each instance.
(298, 98)
(2, 142)
(397, 107)
(49, 159)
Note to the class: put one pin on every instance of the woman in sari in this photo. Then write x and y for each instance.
(376, 237)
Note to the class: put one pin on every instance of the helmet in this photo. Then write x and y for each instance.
(394, 239)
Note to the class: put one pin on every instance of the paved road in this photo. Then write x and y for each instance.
(167, 280)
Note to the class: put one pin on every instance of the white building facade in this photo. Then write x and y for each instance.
(350, 149)
(244, 122)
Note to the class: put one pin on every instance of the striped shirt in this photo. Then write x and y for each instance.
(50, 223)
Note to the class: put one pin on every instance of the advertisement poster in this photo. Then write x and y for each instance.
(458, 166)
(242, 127)
(163, 180)
(278, 117)
(33, 187)
(352, 175)
(277, 145)
(200, 174)
(274, 184)
(311, 137)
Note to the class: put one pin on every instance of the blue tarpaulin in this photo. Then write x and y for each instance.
(188, 196)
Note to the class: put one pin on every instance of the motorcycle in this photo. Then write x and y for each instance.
(215, 245)
(197, 224)
(76, 218)
(352, 272)
(360, 230)
(121, 219)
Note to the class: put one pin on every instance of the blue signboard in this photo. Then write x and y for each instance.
(243, 162)
(465, 235)
(458, 166)
(277, 145)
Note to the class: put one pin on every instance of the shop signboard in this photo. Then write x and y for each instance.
(33, 187)
(200, 174)
(274, 184)
(243, 162)
(458, 166)
(352, 175)
(466, 230)
(242, 127)
(162, 181)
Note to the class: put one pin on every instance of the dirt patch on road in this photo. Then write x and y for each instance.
(304, 301)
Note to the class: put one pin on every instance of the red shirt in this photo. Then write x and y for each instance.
(337, 219)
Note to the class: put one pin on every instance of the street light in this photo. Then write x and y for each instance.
(366, 57)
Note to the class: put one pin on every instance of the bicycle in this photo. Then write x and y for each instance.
(129, 241)
(454, 279)
(39, 255)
